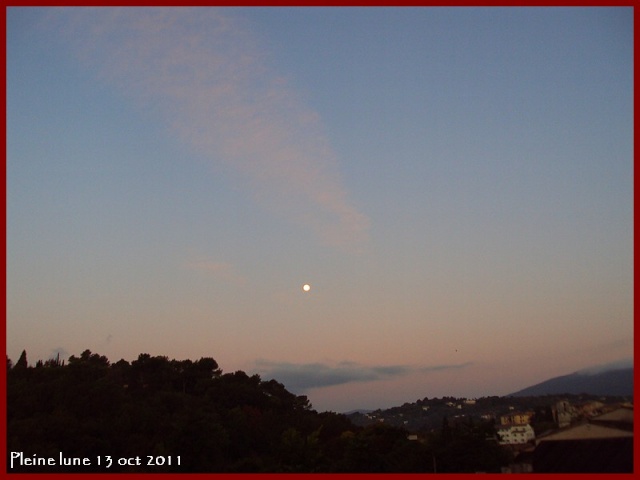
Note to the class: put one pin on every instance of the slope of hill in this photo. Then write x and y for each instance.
(617, 382)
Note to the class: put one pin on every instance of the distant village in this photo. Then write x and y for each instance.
(549, 434)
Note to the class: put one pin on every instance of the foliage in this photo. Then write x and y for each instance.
(215, 422)
(467, 447)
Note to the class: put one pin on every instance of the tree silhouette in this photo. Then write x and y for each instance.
(214, 421)
(22, 361)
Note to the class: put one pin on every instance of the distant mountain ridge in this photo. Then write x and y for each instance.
(616, 382)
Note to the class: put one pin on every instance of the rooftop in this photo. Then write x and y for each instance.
(587, 431)
(623, 414)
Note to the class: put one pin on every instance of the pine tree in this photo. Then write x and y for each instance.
(22, 361)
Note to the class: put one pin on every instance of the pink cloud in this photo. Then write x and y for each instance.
(209, 79)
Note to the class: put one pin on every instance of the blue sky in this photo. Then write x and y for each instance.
(455, 184)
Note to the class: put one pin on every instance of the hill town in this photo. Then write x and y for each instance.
(526, 426)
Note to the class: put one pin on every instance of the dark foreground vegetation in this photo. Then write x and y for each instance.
(199, 419)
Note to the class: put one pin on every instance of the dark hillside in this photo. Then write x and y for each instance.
(609, 383)
(189, 416)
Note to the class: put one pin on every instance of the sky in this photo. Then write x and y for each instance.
(454, 184)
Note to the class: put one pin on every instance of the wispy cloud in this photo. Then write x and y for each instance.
(606, 367)
(438, 368)
(209, 78)
(305, 376)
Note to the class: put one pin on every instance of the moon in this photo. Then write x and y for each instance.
(306, 287)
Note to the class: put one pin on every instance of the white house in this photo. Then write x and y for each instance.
(516, 434)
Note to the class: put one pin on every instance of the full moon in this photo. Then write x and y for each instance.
(306, 287)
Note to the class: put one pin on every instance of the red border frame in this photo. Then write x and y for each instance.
(280, 3)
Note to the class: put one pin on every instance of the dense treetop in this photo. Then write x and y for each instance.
(213, 421)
